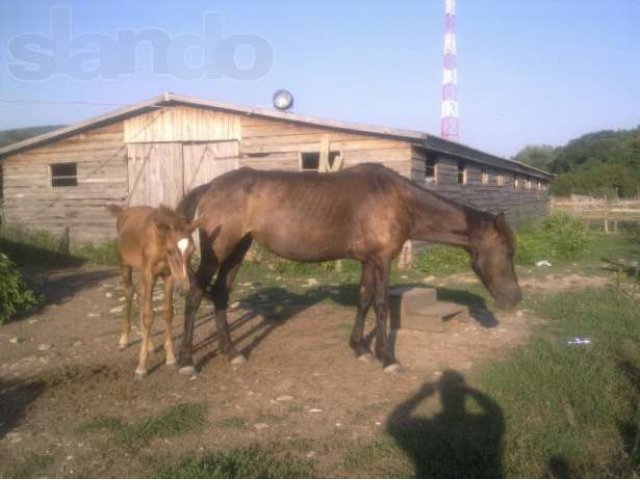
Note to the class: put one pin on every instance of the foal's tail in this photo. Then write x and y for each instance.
(115, 210)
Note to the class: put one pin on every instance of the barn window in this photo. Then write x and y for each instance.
(539, 185)
(311, 160)
(430, 169)
(485, 175)
(516, 182)
(462, 172)
(500, 180)
(528, 184)
(64, 174)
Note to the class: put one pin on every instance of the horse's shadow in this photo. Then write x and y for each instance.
(266, 309)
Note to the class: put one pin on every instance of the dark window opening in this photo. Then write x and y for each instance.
(430, 169)
(64, 174)
(462, 172)
(311, 160)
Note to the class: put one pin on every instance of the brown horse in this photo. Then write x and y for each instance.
(365, 213)
(157, 242)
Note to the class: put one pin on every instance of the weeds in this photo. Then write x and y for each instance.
(31, 465)
(15, 295)
(173, 421)
(573, 407)
(249, 462)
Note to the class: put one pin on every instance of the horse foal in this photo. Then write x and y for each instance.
(157, 242)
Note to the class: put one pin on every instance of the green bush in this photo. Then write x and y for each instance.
(442, 260)
(559, 237)
(15, 296)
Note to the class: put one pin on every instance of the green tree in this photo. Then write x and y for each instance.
(538, 156)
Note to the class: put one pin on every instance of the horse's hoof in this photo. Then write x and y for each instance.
(365, 358)
(140, 374)
(189, 370)
(172, 364)
(239, 360)
(394, 368)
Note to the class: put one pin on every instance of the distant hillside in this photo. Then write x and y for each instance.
(7, 137)
(598, 163)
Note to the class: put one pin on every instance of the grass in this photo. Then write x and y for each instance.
(173, 421)
(570, 408)
(29, 247)
(29, 467)
(250, 462)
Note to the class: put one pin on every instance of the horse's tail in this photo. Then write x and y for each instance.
(115, 210)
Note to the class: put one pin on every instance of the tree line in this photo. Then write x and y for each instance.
(598, 164)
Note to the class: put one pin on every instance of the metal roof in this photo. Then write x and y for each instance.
(420, 139)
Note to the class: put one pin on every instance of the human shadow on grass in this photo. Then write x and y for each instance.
(15, 398)
(629, 429)
(458, 442)
(268, 308)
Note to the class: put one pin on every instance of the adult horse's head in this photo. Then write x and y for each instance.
(492, 253)
(175, 238)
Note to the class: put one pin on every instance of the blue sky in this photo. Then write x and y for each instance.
(530, 72)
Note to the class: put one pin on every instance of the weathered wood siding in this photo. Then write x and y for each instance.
(31, 202)
(273, 144)
(182, 124)
(517, 203)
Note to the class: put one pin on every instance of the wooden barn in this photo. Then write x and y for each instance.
(156, 151)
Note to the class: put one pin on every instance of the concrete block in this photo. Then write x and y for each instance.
(419, 309)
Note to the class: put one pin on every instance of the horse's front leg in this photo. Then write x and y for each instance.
(192, 302)
(383, 347)
(220, 297)
(146, 319)
(365, 299)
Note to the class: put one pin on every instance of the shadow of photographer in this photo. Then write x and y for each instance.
(464, 440)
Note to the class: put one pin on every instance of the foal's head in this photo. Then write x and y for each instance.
(492, 254)
(174, 237)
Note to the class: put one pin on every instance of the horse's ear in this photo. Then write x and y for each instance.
(501, 221)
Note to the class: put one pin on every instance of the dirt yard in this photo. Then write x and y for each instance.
(61, 368)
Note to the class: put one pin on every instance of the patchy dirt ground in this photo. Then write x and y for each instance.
(61, 368)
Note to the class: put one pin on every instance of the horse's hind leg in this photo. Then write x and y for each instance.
(125, 327)
(383, 348)
(365, 300)
(220, 297)
(167, 315)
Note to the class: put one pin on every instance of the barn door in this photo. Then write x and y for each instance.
(205, 161)
(156, 174)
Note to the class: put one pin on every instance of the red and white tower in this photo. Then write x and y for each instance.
(449, 116)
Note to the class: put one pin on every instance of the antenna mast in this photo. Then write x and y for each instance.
(449, 116)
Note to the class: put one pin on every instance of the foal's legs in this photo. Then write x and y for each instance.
(220, 297)
(146, 318)
(128, 295)
(365, 300)
(168, 319)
